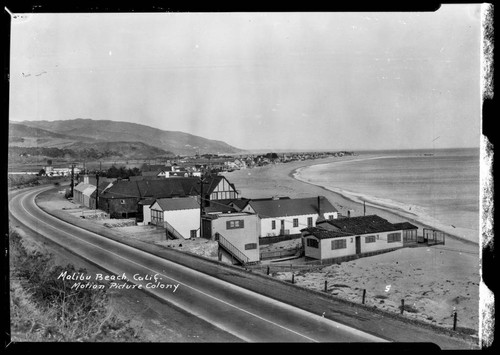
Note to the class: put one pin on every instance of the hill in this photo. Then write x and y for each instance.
(112, 131)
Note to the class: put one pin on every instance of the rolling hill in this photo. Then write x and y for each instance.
(79, 133)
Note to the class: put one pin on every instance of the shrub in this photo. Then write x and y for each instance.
(45, 308)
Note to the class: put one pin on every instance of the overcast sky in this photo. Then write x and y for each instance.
(259, 80)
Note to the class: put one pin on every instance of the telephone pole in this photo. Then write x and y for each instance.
(97, 192)
(202, 204)
(72, 178)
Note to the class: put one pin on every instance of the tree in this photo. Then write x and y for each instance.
(41, 172)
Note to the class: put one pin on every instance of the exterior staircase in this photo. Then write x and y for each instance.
(231, 249)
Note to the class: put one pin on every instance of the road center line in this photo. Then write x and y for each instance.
(145, 267)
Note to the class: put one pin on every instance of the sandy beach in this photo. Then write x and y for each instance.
(435, 281)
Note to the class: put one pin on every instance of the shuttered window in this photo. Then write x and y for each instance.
(393, 237)
(250, 246)
(370, 239)
(235, 224)
(339, 244)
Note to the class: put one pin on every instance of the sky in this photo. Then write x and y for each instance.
(291, 80)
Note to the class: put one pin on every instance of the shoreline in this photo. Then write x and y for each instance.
(279, 179)
(403, 214)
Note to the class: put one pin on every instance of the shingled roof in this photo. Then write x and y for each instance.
(291, 207)
(404, 225)
(321, 233)
(362, 224)
(175, 204)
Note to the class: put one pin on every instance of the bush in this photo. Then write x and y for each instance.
(45, 308)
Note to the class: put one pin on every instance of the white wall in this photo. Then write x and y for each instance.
(146, 212)
(312, 252)
(327, 252)
(380, 243)
(266, 224)
(240, 236)
(184, 221)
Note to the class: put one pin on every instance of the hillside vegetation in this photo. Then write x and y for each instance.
(79, 131)
(45, 308)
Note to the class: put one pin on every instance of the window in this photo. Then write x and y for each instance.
(393, 237)
(234, 224)
(295, 222)
(309, 221)
(122, 202)
(370, 239)
(313, 243)
(156, 217)
(192, 233)
(330, 216)
(273, 224)
(250, 246)
(339, 244)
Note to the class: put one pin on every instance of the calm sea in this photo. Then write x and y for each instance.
(439, 187)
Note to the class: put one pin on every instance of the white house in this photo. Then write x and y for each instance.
(236, 232)
(285, 216)
(82, 193)
(345, 237)
(179, 216)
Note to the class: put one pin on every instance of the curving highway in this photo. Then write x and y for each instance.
(248, 315)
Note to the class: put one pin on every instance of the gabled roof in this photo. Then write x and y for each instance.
(82, 186)
(121, 189)
(151, 173)
(321, 233)
(361, 224)
(404, 225)
(291, 207)
(175, 204)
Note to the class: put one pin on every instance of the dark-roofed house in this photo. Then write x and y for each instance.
(179, 216)
(290, 215)
(120, 199)
(351, 237)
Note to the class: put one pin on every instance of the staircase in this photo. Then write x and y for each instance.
(171, 232)
(231, 249)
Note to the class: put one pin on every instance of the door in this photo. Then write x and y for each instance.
(358, 245)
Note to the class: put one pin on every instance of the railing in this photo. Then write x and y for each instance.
(242, 258)
(284, 231)
(172, 231)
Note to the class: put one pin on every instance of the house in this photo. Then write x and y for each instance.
(121, 198)
(179, 216)
(92, 179)
(217, 187)
(351, 237)
(409, 232)
(236, 232)
(82, 193)
(286, 216)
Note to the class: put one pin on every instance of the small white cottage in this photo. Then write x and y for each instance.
(179, 216)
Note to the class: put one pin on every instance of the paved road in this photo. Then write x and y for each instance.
(246, 314)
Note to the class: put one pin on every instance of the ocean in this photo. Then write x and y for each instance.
(439, 188)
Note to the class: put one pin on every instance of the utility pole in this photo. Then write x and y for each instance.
(202, 203)
(72, 178)
(97, 192)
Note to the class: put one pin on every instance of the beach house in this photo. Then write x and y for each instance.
(347, 238)
(287, 216)
(236, 232)
(82, 193)
(179, 216)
